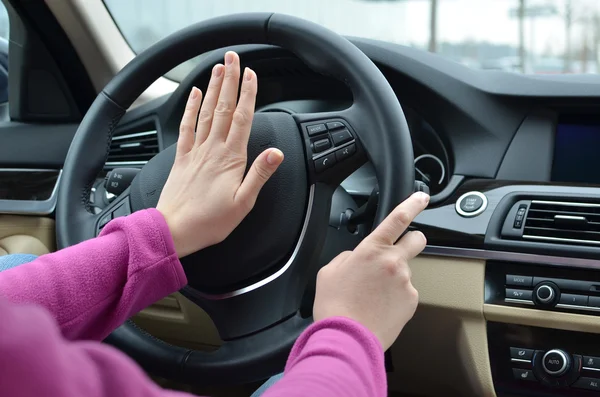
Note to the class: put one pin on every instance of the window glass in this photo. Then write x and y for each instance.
(521, 36)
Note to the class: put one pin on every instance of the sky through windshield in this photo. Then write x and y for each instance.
(523, 36)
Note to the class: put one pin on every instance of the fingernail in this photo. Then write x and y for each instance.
(423, 197)
(194, 93)
(218, 70)
(229, 58)
(247, 74)
(275, 157)
(421, 235)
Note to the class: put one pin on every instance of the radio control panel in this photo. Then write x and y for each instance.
(543, 287)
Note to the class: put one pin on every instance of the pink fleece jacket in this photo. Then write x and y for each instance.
(54, 310)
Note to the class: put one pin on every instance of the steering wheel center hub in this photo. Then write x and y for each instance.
(251, 252)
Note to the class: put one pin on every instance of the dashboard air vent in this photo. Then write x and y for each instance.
(563, 222)
(132, 149)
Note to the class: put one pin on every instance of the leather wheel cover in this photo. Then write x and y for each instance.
(253, 297)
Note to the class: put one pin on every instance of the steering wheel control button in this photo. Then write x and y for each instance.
(592, 363)
(321, 164)
(519, 294)
(104, 220)
(519, 281)
(341, 137)
(556, 362)
(545, 293)
(345, 152)
(321, 145)
(587, 384)
(123, 210)
(518, 354)
(335, 125)
(523, 374)
(471, 204)
(316, 129)
(573, 300)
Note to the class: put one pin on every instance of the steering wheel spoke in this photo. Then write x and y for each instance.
(333, 148)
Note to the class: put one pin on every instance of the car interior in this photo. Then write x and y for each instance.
(509, 283)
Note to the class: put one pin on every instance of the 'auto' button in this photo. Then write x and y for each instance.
(325, 162)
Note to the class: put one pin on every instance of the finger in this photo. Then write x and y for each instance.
(244, 113)
(261, 170)
(392, 227)
(227, 98)
(185, 143)
(411, 245)
(207, 111)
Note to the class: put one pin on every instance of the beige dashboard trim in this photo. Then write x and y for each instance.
(447, 335)
(542, 318)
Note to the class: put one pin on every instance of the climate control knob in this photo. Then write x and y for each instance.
(546, 294)
(556, 362)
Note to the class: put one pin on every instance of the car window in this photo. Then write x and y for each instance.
(521, 36)
(4, 30)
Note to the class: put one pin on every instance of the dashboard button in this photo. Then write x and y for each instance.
(594, 301)
(345, 152)
(316, 129)
(321, 145)
(572, 299)
(520, 281)
(591, 362)
(335, 125)
(545, 293)
(521, 354)
(340, 137)
(588, 384)
(556, 362)
(523, 374)
(520, 294)
(471, 204)
(325, 162)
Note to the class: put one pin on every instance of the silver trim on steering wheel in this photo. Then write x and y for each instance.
(275, 275)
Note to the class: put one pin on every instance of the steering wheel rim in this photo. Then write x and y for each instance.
(379, 131)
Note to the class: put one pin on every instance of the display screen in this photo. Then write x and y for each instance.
(577, 152)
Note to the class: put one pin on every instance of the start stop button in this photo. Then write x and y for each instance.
(471, 204)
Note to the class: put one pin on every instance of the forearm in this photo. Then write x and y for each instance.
(93, 287)
(37, 361)
(334, 357)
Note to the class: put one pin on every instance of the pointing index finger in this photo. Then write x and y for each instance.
(399, 219)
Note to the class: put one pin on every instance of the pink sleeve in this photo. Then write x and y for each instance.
(334, 357)
(93, 287)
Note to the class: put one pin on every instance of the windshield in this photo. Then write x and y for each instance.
(520, 36)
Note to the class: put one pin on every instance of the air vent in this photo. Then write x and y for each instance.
(563, 222)
(132, 150)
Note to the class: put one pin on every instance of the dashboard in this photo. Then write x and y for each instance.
(510, 276)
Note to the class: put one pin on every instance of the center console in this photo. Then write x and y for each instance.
(541, 244)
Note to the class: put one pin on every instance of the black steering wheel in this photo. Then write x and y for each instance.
(251, 284)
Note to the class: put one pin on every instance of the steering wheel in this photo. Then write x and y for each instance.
(251, 284)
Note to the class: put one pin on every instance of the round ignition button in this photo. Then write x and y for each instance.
(471, 204)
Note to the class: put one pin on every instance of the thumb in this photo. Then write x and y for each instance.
(261, 170)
